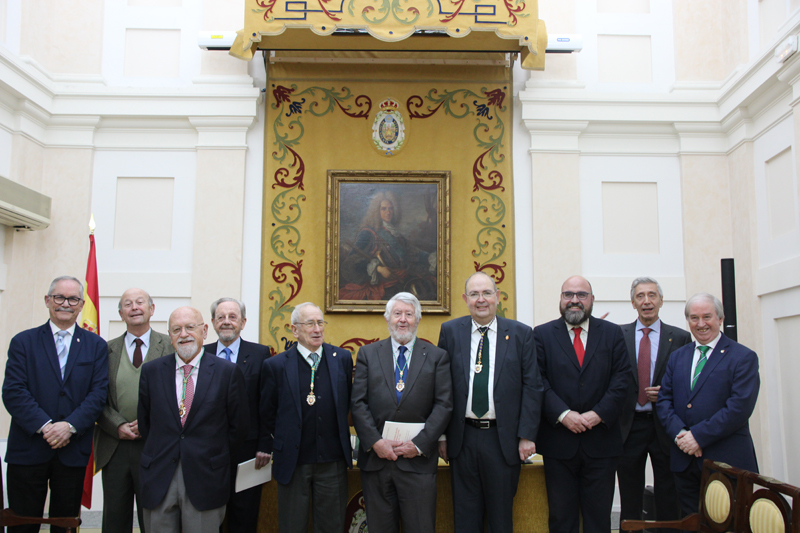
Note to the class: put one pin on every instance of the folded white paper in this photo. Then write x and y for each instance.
(247, 476)
(401, 431)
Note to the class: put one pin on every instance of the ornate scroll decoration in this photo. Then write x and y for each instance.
(485, 107)
(286, 208)
(357, 342)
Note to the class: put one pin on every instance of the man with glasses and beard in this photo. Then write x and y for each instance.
(401, 379)
(55, 388)
(584, 366)
(192, 409)
(228, 316)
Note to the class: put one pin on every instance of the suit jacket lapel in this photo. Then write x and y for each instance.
(630, 343)
(463, 347)
(501, 348)
(664, 344)
(386, 360)
(333, 370)
(591, 343)
(202, 382)
(169, 386)
(713, 360)
(75, 348)
(293, 376)
(156, 349)
(562, 336)
(49, 346)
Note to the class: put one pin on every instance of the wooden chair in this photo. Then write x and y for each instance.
(10, 518)
(721, 496)
(765, 507)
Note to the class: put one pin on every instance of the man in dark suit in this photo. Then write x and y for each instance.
(229, 318)
(584, 366)
(54, 389)
(192, 409)
(707, 395)
(117, 442)
(401, 379)
(650, 343)
(492, 363)
(305, 399)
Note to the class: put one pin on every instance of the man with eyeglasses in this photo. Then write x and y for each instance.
(54, 389)
(117, 442)
(305, 398)
(229, 318)
(584, 365)
(497, 395)
(650, 343)
(401, 379)
(192, 409)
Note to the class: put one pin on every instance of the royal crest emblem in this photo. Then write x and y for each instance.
(389, 129)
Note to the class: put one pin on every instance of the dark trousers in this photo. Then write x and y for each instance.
(641, 442)
(27, 491)
(581, 482)
(687, 484)
(242, 510)
(121, 488)
(319, 486)
(392, 495)
(483, 483)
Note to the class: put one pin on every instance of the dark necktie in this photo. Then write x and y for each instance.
(137, 352)
(578, 344)
(480, 381)
(644, 365)
(401, 365)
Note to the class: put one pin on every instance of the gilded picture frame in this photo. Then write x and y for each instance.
(388, 232)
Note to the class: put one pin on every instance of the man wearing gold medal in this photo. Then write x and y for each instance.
(305, 397)
(401, 379)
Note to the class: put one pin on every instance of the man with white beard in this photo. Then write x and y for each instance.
(401, 379)
(192, 409)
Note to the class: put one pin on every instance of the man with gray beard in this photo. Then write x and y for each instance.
(584, 366)
(401, 379)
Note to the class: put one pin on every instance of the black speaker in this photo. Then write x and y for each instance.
(729, 298)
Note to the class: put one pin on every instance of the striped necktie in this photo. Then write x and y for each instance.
(61, 349)
(700, 364)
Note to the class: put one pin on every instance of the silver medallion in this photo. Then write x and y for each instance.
(311, 399)
(478, 368)
(400, 386)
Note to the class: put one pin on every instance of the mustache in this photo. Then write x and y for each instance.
(68, 309)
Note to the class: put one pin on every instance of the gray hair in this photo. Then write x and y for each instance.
(644, 279)
(64, 278)
(149, 299)
(494, 285)
(405, 297)
(708, 298)
(223, 300)
(296, 312)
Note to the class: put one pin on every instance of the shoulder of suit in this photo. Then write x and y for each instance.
(456, 322)
(89, 336)
(549, 325)
(255, 347)
(675, 331)
(509, 323)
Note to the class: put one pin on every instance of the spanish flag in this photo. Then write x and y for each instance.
(90, 320)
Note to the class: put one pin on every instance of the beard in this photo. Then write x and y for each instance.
(402, 337)
(575, 313)
(227, 335)
(187, 351)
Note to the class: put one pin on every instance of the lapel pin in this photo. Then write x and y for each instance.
(334, 354)
(722, 351)
(78, 340)
(506, 337)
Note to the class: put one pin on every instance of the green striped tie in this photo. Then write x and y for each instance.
(700, 363)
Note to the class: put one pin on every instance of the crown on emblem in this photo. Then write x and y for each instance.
(389, 105)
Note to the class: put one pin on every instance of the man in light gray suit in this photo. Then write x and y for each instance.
(401, 379)
(117, 444)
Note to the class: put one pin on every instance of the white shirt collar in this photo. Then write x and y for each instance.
(712, 344)
(491, 325)
(655, 326)
(55, 329)
(583, 325)
(234, 347)
(129, 338)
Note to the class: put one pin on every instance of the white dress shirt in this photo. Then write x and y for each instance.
(130, 344)
(234, 348)
(179, 374)
(475, 339)
(697, 354)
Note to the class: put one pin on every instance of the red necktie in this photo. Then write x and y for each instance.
(137, 353)
(578, 344)
(189, 396)
(644, 365)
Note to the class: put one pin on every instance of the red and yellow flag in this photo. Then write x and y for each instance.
(90, 320)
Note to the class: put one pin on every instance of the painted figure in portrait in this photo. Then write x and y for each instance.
(388, 252)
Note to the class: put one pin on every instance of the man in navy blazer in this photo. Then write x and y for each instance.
(707, 395)
(55, 389)
(650, 343)
(192, 409)
(305, 398)
(486, 446)
(229, 317)
(584, 366)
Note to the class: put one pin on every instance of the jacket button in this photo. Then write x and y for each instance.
(63, 393)
(689, 406)
(182, 436)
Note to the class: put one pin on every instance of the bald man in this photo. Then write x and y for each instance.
(584, 365)
(117, 442)
(192, 409)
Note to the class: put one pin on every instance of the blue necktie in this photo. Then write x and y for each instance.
(61, 349)
(401, 363)
(227, 354)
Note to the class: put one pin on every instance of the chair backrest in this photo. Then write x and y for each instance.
(766, 509)
(721, 498)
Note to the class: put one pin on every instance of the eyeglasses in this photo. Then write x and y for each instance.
(474, 295)
(569, 295)
(311, 323)
(408, 314)
(188, 327)
(72, 301)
